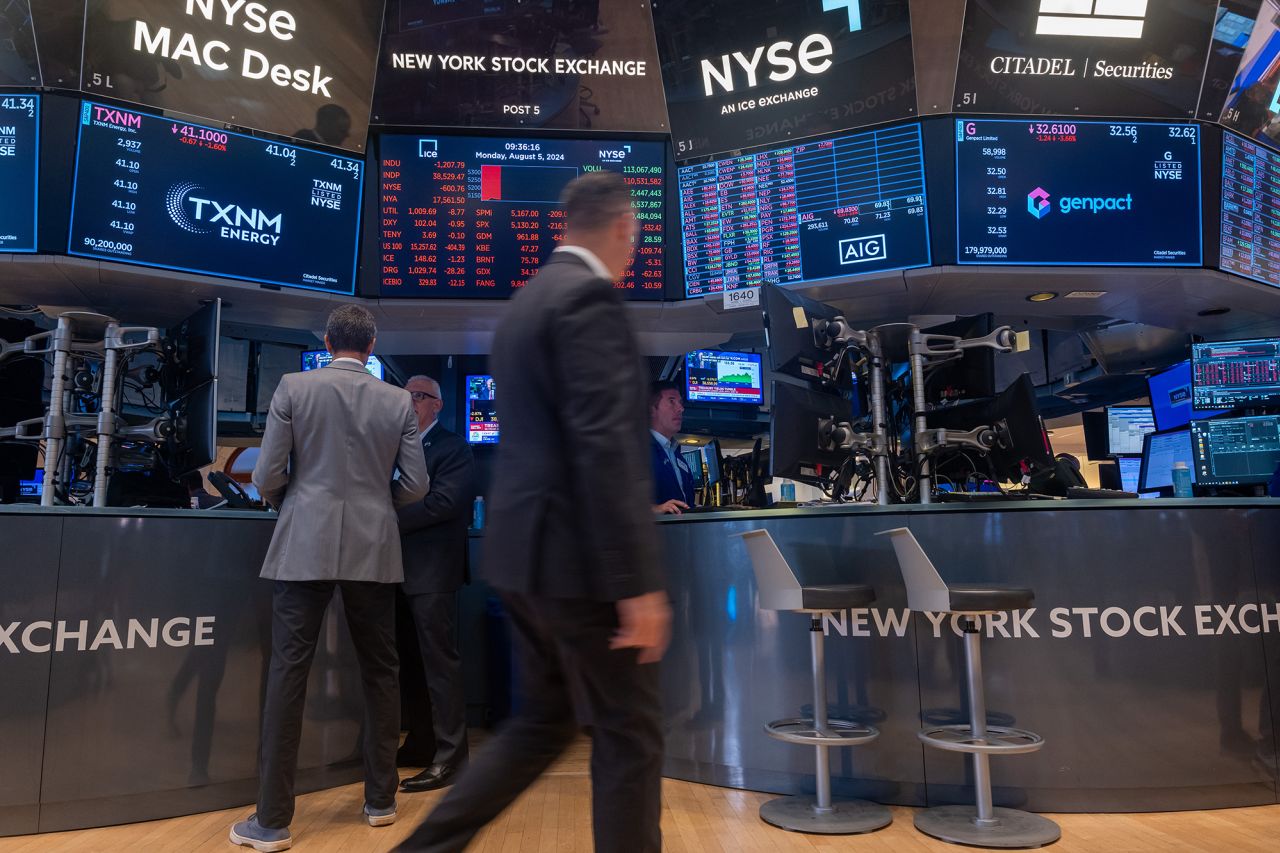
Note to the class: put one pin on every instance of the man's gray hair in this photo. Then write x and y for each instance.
(351, 329)
(422, 377)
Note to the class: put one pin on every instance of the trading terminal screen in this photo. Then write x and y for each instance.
(317, 358)
(1236, 451)
(1170, 393)
(1162, 452)
(1126, 425)
(723, 377)
(1250, 200)
(471, 216)
(1130, 469)
(482, 410)
(158, 192)
(839, 207)
(1067, 193)
(19, 159)
(1235, 373)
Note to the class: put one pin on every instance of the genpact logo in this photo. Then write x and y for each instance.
(199, 215)
(1038, 203)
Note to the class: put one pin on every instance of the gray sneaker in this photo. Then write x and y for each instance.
(380, 817)
(250, 833)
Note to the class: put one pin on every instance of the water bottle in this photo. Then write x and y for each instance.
(1181, 480)
(788, 492)
(477, 513)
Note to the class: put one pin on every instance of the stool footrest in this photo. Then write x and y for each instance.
(837, 733)
(999, 740)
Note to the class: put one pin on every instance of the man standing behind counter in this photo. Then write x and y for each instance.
(435, 568)
(673, 489)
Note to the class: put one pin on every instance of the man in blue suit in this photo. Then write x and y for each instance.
(673, 489)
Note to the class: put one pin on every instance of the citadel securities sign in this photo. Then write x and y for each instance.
(1084, 57)
(742, 75)
(300, 68)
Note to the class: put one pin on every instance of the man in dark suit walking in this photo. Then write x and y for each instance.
(434, 542)
(333, 441)
(571, 544)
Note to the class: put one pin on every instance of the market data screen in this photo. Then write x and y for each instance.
(1235, 373)
(1170, 393)
(1074, 192)
(1236, 451)
(318, 358)
(839, 207)
(1126, 426)
(470, 216)
(1163, 451)
(482, 410)
(19, 159)
(1250, 210)
(712, 376)
(154, 191)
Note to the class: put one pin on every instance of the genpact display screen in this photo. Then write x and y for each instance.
(1064, 193)
(153, 191)
(19, 157)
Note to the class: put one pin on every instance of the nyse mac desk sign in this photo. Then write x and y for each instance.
(153, 191)
(482, 63)
(744, 75)
(301, 68)
(1140, 58)
(19, 154)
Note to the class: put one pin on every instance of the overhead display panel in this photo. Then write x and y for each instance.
(1065, 193)
(747, 74)
(472, 216)
(827, 209)
(19, 60)
(153, 191)
(1231, 33)
(500, 63)
(1253, 104)
(1133, 58)
(19, 171)
(298, 68)
(1250, 210)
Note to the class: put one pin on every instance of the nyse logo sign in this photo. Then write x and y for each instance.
(860, 250)
(1092, 18)
(1038, 203)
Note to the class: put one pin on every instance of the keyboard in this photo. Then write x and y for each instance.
(1079, 494)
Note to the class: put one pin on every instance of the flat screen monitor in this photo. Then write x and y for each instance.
(32, 490)
(799, 446)
(1251, 105)
(1160, 451)
(1126, 425)
(974, 373)
(1232, 374)
(1170, 393)
(1130, 470)
(191, 351)
(473, 216)
(1250, 189)
(1068, 193)
(163, 193)
(830, 209)
(1096, 441)
(317, 358)
(790, 333)
(19, 171)
(1022, 445)
(482, 410)
(712, 376)
(1236, 451)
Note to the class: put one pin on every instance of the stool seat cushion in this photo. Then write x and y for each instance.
(986, 598)
(837, 596)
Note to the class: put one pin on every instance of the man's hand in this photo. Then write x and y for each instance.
(644, 623)
(671, 507)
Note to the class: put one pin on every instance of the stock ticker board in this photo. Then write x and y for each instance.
(1064, 192)
(469, 216)
(158, 192)
(19, 158)
(1250, 201)
(826, 209)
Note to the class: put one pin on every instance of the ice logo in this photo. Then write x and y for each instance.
(1038, 203)
(851, 7)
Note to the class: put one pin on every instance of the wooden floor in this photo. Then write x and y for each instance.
(555, 817)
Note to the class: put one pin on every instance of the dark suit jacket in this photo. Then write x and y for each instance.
(667, 481)
(570, 515)
(434, 529)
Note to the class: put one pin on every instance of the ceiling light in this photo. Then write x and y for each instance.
(1044, 296)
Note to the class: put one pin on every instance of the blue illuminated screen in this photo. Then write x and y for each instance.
(482, 410)
(19, 171)
(317, 358)
(1130, 468)
(158, 192)
(1236, 451)
(1162, 452)
(1068, 193)
(1126, 425)
(712, 376)
(1250, 196)
(1171, 397)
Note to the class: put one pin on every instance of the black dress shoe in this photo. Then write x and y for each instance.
(411, 758)
(435, 776)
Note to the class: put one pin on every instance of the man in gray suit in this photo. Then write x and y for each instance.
(334, 439)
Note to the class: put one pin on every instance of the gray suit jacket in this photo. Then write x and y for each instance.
(333, 441)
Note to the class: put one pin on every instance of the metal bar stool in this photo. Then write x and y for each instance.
(779, 590)
(983, 825)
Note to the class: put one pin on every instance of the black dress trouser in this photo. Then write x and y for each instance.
(438, 727)
(564, 664)
(297, 613)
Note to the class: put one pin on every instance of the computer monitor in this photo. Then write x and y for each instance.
(1236, 451)
(714, 458)
(712, 376)
(193, 443)
(789, 330)
(693, 458)
(191, 352)
(30, 491)
(314, 359)
(1170, 392)
(1022, 447)
(1160, 451)
(1234, 374)
(970, 376)
(1130, 470)
(1096, 445)
(800, 446)
(482, 410)
(1126, 425)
